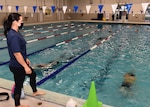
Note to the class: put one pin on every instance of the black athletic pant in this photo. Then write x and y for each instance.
(19, 77)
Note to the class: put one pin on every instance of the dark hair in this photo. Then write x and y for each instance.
(131, 74)
(8, 22)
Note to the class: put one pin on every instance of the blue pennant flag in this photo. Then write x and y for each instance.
(128, 7)
(53, 8)
(34, 8)
(100, 8)
(17, 8)
(1, 7)
(76, 8)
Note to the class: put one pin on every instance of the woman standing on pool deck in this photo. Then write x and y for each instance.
(19, 63)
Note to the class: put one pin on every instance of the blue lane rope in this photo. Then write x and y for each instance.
(30, 54)
(3, 48)
(61, 68)
(4, 63)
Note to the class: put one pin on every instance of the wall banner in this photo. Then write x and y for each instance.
(53, 9)
(88, 7)
(1, 7)
(17, 8)
(64, 9)
(145, 6)
(100, 7)
(9, 8)
(44, 8)
(114, 7)
(76, 8)
(34, 8)
(128, 6)
(25, 9)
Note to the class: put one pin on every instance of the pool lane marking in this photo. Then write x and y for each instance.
(54, 73)
(46, 37)
(55, 30)
(31, 34)
(66, 41)
(60, 43)
(58, 26)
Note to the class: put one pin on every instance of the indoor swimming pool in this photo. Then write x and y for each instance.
(88, 52)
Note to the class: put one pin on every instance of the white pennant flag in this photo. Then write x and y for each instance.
(64, 9)
(114, 7)
(25, 9)
(88, 7)
(9, 8)
(44, 8)
(144, 6)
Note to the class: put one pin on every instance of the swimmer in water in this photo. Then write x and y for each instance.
(129, 79)
(100, 38)
(51, 64)
(43, 66)
(126, 86)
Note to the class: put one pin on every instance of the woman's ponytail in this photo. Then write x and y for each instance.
(7, 26)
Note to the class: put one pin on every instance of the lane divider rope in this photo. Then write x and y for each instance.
(66, 41)
(54, 73)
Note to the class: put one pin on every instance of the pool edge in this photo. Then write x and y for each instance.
(50, 96)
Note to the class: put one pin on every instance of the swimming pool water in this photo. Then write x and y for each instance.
(126, 51)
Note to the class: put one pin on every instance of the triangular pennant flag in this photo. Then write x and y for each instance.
(114, 7)
(53, 8)
(34, 8)
(1, 7)
(76, 8)
(64, 9)
(17, 8)
(44, 8)
(9, 8)
(25, 9)
(88, 7)
(128, 6)
(100, 8)
(144, 6)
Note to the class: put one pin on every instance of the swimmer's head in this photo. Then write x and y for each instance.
(136, 30)
(129, 78)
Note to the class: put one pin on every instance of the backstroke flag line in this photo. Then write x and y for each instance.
(53, 8)
(44, 8)
(114, 7)
(25, 9)
(34, 8)
(144, 6)
(17, 8)
(64, 9)
(76, 8)
(9, 8)
(100, 7)
(1, 7)
(128, 6)
(88, 7)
